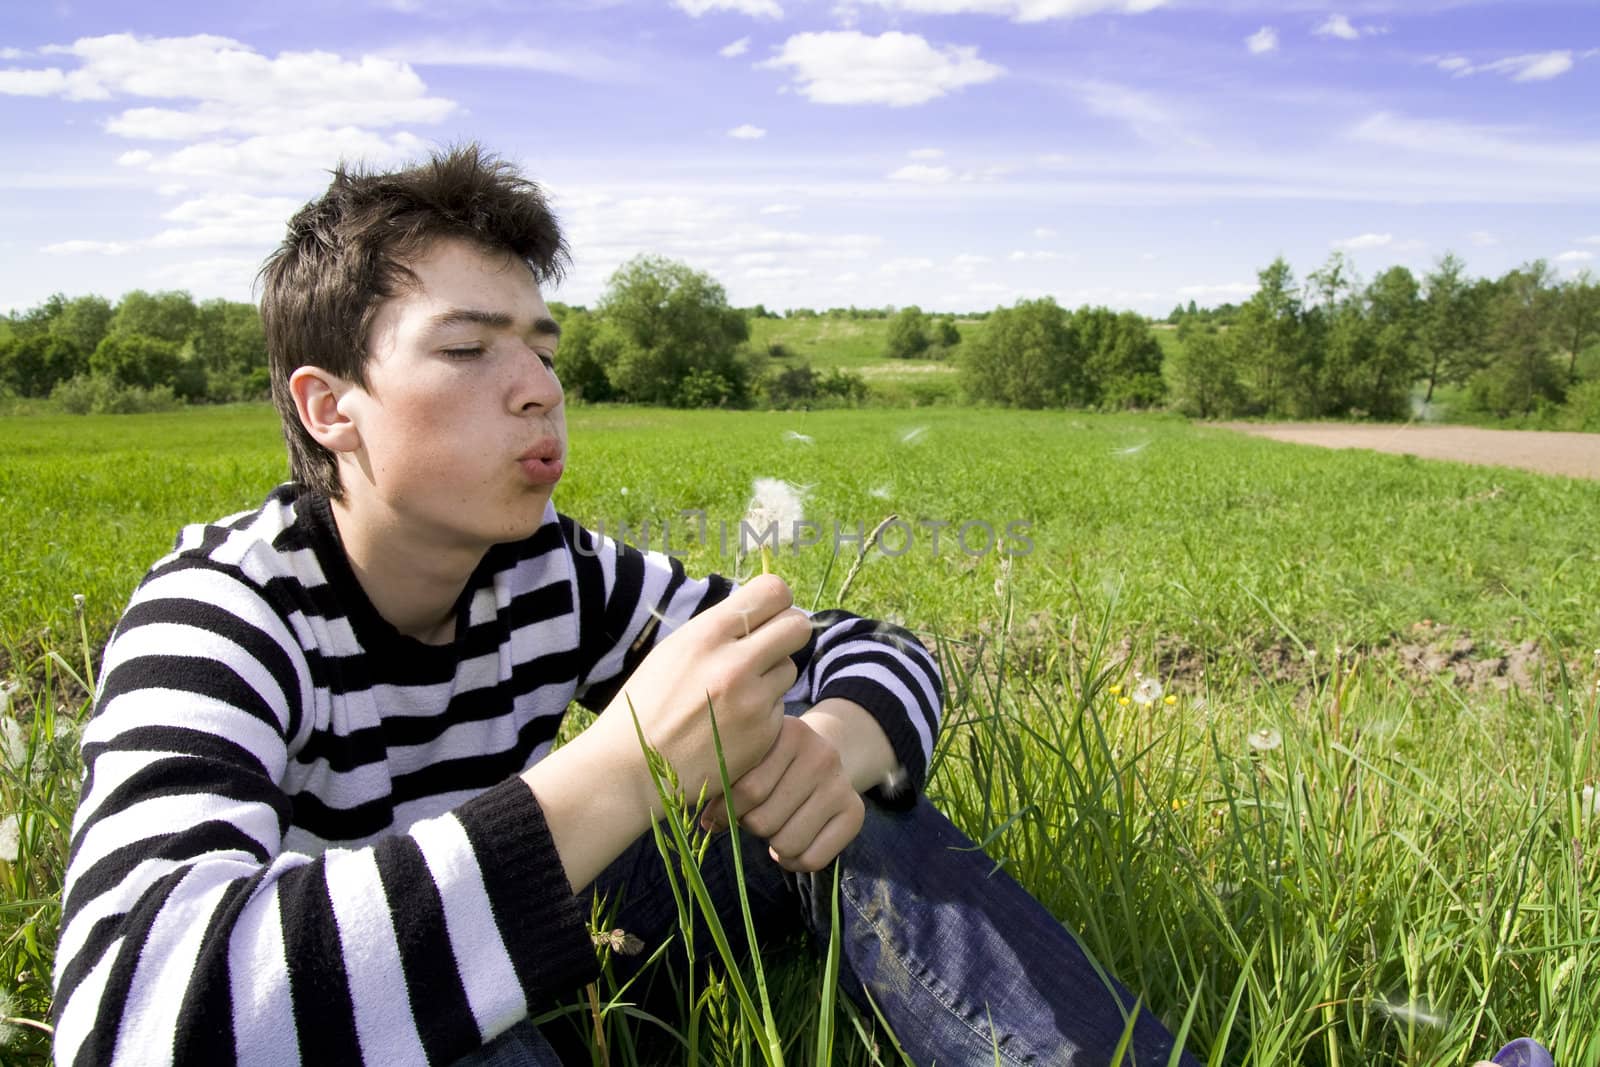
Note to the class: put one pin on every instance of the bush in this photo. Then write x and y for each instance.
(1582, 411)
(93, 394)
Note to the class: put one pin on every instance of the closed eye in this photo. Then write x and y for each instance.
(462, 351)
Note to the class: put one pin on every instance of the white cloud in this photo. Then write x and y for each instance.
(76, 248)
(1263, 40)
(1045, 233)
(292, 158)
(577, 63)
(1537, 66)
(1036, 256)
(737, 48)
(13, 53)
(1338, 26)
(136, 158)
(747, 132)
(781, 209)
(777, 273)
(1595, 240)
(1575, 256)
(754, 8)
(1022, 10)
(48, 82)
(926, 153)
(905, 264)
(922, 173)
(237, 90)
(226, 219)
(1145, 114)
(1227, 291)
(898, 69)
(1365, 240)
(1466, 141)
(1483, 238)
(967, 262)
(226, 276)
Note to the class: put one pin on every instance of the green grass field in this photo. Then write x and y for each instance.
(1399, 868)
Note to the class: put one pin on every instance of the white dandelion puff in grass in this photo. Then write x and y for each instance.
(1131, 450)
(1412, 1013)
(1147, 692)
(13, 742)
(796, 437)
(913, 435)
(1265, 739)
(622, 491)
(776, 511)
(10, 839)
(879, 492)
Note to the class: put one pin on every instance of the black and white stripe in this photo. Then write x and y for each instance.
(301, 838)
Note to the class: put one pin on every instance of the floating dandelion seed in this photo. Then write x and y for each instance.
(1147, 692)
(1265, 739)
(879, 492)
(1131, 450)
(10, 839)
(913, 435)
(798, 438)
(13, 742)
(1411, 1013)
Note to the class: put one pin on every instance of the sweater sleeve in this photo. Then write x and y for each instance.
(628, 600)
(191, 933)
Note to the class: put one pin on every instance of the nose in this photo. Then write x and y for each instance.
(537, 387)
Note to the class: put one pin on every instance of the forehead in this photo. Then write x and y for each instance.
(455, 273)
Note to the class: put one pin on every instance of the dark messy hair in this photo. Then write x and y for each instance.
(347, 251)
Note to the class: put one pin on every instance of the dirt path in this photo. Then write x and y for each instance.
(1576, 455)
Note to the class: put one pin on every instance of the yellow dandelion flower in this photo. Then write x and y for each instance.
(1170, 700)
(1124, 701)
(1114, 690)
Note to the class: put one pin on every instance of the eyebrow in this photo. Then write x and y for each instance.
(497, 319)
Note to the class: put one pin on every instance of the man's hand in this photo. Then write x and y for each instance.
(736, 654)
(798, 798)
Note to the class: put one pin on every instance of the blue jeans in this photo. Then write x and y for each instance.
(960, 960)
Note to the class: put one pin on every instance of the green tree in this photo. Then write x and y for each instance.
(945, 332)
(678, 340)
(1121, 359)
(1205, 374)
(908, 333)
(84, 321)
(587, 347)
(1027, 357)
(1267, 343)
(166, 316)
(1452, 326)
(1394, 308)
(34, 363)
(133, 359)
(1522, 374)
(1577, 318)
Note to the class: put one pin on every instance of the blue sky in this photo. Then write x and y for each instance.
(958, 154)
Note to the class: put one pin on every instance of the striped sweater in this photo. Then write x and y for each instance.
(302, 838)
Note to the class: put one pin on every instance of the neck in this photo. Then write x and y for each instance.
(412, 582)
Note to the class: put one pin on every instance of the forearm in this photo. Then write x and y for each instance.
(862, 745)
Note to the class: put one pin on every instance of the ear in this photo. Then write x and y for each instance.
(317, 394)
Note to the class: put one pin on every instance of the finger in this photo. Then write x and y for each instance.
(834, 837)
(817, 810)
(776, 640)
(751, 605)
(756, 786)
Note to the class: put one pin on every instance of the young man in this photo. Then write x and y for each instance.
(323, 821)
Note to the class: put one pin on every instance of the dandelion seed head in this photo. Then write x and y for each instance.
(913, 435)
(10, 839)
(773, 502)
(1265, 739)
(1410, 1013)
(1147, 692)
(78, 601)
(798, 438)
(13, 742)
(623, 491)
